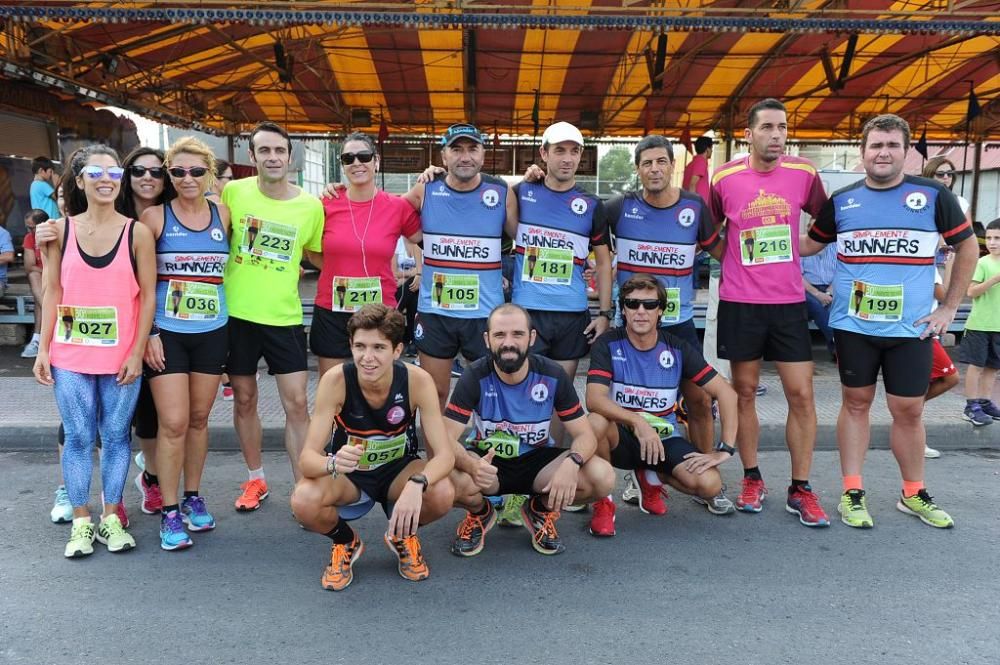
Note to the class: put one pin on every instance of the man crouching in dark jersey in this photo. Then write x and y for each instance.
(513, 395)
(371, 404)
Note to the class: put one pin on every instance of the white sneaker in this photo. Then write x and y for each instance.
(62, 509)
(630, 494)
(30, 349)
(717, 505)
(930, 453)
(140, 461)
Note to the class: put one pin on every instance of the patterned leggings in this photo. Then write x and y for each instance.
(88, 404)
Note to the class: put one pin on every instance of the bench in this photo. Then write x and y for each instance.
(17, 309)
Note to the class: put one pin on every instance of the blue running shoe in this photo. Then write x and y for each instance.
(196, 515)
(172, 533)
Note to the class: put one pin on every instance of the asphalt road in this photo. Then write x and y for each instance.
(685, 588)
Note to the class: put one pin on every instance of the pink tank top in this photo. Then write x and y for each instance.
(97, 318)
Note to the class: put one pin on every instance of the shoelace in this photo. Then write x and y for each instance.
(83, 531)
(548, 528)
(926, 499)
(409, 551)
(153, 494)
(62, 496)
(173, 523)
(196, 504)
(810, 501)
(602, 508)
(252, 489)
(341, 556)
(856, 500)
(469, 524)
(113, 527)
(752, 489)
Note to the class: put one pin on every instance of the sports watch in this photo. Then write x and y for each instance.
(609, 314)
(420, 479)
(725, 448)
(576, 457)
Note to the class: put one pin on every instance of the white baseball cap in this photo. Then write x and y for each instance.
(562, 131)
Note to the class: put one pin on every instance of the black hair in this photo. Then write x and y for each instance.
(701, 144)
(75, 198)
(654, 141)
(41, 164)
(268, 126)
(770, 103)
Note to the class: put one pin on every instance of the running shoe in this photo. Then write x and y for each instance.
(172, 533)
(81, 539)
(931, 453)
(630, 493)
(990, 409)
(751, 498)
(650, 496)
(718, 504)
(471, 533)
(974, 414)
(456, 368)
(602, 523)
(510, 512)
(152, 499)
(196, 515)
(30, 349)
(62, 509)
(140, 461)
(254, 491)
(340, 573)
(120, 511)
(411, 560)
(922, 505)
(575, 507)
(802, 501)
(112, 533)
(853, 509)
(227, 393)
(542, 526)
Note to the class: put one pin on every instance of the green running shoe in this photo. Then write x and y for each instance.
(922, 505)
(81, 539)
(110, 532)
(510, 514)
(853, 510)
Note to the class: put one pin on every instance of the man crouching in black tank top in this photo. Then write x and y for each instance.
(370, 404)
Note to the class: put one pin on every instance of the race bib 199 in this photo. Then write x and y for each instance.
(547, 265)
(191, 301)
(268, 240)
(352, 293)
(87, 326)
(672, 310)
(876, 302)
(766, 244)
(455, 292)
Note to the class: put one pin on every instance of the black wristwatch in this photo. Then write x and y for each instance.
(420, 479)
(609, 314)
(725, 448)
(576, 457)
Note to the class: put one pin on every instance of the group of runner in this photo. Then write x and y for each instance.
(223, 289)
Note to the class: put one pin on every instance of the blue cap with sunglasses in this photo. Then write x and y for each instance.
(462, 131)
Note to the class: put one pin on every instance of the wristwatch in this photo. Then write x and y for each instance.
(420, 479)
(609, 314)
(725, 448)
(576, 457)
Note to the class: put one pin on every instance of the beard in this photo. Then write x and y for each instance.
(509, 365)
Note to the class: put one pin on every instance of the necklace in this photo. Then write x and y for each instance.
(361, 238)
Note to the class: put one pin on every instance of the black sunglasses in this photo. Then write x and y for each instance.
(347, 158)
(139, 171)
(180, 172)
(635, 303)
(944, 174)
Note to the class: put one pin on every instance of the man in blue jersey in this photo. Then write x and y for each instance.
(462, 216)
(512, 396)
(558, 222)
(659, 231)
(887, 228)
(635, 373)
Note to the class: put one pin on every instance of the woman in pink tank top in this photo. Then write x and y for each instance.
(100, 294)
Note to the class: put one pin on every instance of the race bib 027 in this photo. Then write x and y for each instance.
(86, 326)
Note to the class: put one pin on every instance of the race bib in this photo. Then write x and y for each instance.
(191, 301)
(87, 326)
(547, 265)
(875, 302)
(672, 310)
(455, 292)
(766, 244)
(663, 427)
(268, 240)
(352, 293)
(504, 444)
(378, 452)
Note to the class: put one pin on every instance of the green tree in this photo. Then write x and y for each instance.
(616, 172)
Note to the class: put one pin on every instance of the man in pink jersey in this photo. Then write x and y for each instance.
(762, 310)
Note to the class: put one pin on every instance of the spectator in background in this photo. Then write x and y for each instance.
(6, 256)
(42, 191)
(33, 269)
(817, 275)
(696, 172)
(223, 176)
(941, 169)
(407, 265)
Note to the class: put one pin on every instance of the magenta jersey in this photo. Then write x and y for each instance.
(762, 213)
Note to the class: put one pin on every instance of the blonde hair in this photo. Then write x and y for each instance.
(191, 146)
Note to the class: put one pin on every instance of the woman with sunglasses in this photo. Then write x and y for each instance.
(941, 169)
(359, 240)
(100, 287)
(184, 363)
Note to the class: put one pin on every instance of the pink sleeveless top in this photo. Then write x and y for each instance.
(97, 318)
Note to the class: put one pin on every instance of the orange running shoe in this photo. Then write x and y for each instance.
(254, 491)
(411, 560)
(340, 573)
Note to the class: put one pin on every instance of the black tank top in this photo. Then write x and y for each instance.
(384, 431)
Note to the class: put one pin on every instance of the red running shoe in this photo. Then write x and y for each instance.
(650, 496)
(802, 501)
(751, 499)
(602, 523)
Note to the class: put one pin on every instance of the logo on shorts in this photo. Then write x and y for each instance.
(916, 201)
(491, 198)
(686, 217)
(216, 235)
(579, 205)
(539, 392)
(666, 359)
(395, 415)
(418, 331)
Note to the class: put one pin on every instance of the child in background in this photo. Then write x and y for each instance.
(981, 342)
